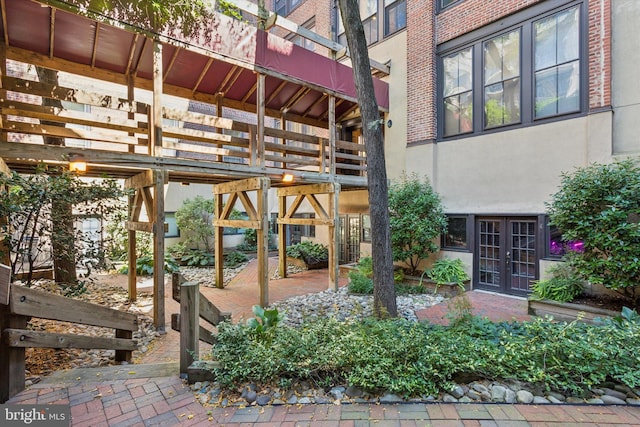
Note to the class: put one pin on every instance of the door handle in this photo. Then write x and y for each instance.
(508, 260)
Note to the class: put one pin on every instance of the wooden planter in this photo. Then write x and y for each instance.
(566, 311)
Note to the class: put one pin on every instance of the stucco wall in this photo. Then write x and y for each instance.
(514, 171)
(625, 86)
(394, 50)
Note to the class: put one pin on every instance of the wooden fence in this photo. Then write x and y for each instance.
(24, 303)
(193, 307)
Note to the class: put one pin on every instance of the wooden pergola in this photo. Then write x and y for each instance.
(254, 82)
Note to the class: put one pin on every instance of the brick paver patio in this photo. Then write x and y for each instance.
(148, 400)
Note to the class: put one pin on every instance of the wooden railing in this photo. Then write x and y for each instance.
(24, 303)
(193, 307)
(105, 122)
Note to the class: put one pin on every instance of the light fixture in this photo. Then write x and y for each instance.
(77, 164)
(287, 177)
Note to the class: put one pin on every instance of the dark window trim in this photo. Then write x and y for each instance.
(386, 33)
(468, 234)
(523, 20)
(380, 16)
(288, 9)
(440, 7)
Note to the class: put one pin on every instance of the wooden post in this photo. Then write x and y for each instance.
(132, 254)
(158, 250)
(282, 238)
(260, 106)
(332, 135)
(189, 324)
(219, 248)
(12, 359)
(155, 144)
(334, 238)
(263, 241)
(123, 355)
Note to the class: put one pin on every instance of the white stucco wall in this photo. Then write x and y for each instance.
(625, 49)
(394, 51)
(511, 172)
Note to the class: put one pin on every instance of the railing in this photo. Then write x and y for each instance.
(24, 303)
(105, 122)
(193, 307)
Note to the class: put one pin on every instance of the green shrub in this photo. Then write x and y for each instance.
(198, 258)
(446, 270)
(144, 265)
(416, 218)
(250, 243)
(599, 205)
(309, 252)
(415, 359)
(562, 286)
(235, 259)
(361, 282)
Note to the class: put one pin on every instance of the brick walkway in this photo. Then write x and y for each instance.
(146, 399)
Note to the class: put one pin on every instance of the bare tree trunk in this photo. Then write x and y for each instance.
(384, 295)
(64, 259)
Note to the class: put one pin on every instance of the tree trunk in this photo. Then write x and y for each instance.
(64, 260)
(384, 295)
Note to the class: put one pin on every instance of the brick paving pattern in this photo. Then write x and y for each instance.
(167, 401)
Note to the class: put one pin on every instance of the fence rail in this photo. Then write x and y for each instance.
(25, 303)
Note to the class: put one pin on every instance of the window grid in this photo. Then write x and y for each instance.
(384, 17)
(523, 257)
(502, 80)
(550, 92)
(489, 257)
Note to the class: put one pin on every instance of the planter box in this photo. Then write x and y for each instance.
(448, 290)
(567, 311)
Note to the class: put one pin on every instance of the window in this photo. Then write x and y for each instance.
(304, 42)
(458, 93)
(557, 246)
(366, 228)
(557, 64)
(445, 3)
(395, 16)
(523, 69)
(378, 17)
(285, 7)
(502, 80)
(172, 226)
(456, 235)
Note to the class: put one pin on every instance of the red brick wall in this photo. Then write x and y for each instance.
(320, 9)
(599, 53)
(421, 71)
(423, 27)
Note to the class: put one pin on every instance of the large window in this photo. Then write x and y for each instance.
(557, 64)
(284, 7)
(516, 74)
(378, 17)
(458, 92)
(502, 80)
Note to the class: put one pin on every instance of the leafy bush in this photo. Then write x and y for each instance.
(144, 265)
(361, 282)
(265, 320)
(416, 218)
(415, 359)
(446, 270)
(250, 243)
(195, 221)
(562, 286)
(198, 258)
(309, 252)
(234, 259)
(600, 206)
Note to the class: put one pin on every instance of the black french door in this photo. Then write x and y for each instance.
(506, 255)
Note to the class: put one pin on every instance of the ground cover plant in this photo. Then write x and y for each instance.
(419, 359)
